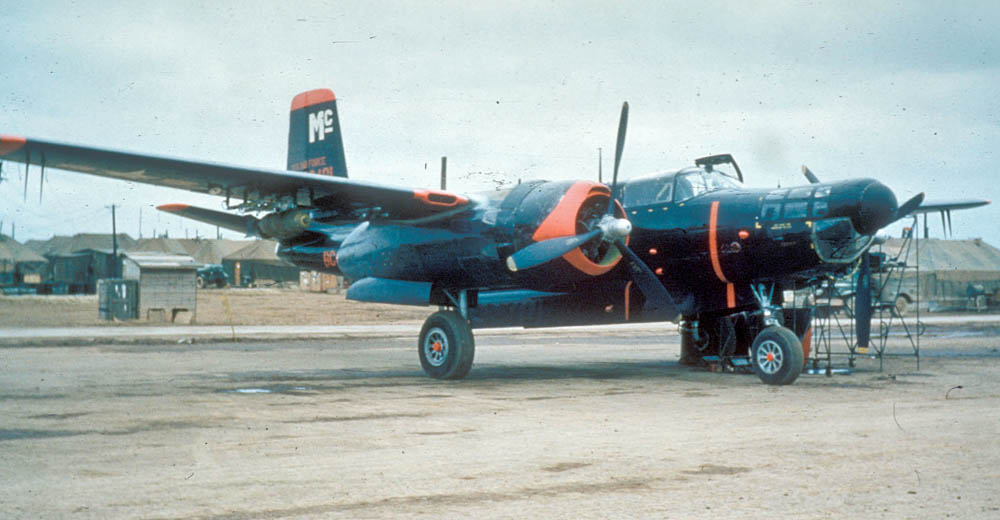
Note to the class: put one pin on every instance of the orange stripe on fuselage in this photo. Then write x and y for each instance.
(628, 287)
(713, 244)
(730, 295)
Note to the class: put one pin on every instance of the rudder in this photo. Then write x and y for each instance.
(314, 140)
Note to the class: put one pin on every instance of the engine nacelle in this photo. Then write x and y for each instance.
(471, 249)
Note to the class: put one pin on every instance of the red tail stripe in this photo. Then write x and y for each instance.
(312, 97)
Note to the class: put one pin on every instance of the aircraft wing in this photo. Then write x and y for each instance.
(237, 182)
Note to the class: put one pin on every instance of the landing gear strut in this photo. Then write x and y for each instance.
(776, 353)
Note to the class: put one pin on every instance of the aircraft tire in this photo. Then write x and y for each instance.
(777, 356)
(446, 346)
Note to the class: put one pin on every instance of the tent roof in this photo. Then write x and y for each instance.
(13, 251)
(161, 245)
(62, 245)
(950, 255)
(213, 251)
(257, 250)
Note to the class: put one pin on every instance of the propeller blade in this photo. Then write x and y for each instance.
(813, 179)
(619, 148)
(548, 250)
(863, 304)
(909, 206)
(600, 166)
(658, 300)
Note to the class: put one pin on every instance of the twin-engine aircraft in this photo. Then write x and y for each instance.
(692, 245)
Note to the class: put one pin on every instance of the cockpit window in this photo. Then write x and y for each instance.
(690, 185)
(648, 191)
(669, 187)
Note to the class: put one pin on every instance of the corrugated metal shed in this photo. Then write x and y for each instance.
(166, 284)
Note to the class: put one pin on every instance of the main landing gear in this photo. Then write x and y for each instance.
(752, 339)
(446, 346)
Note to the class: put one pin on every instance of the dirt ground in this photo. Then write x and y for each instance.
(595, 423)
(246, 307)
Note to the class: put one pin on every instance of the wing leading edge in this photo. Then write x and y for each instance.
(236, 182)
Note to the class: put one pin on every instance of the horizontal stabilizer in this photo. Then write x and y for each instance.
(240, 223)
(929, 206)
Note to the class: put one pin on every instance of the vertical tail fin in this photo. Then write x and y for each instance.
(314, 141)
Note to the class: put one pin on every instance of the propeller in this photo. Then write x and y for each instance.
(619, 148)
(547, 250)
(611, 229)
(909, 206)
(813, 179)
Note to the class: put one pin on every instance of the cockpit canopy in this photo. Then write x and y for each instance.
(675, 186)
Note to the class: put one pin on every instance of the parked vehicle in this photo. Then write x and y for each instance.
(212, 275)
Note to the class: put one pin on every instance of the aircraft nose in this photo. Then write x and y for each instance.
(876, 208)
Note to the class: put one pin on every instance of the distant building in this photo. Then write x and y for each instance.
(953, 274)
(77, 272)
(19, 264)
(258, 265)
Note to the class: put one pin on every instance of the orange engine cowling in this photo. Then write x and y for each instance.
(559, 209)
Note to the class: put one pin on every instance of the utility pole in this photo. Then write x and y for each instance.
(140, 221)
(114, 245)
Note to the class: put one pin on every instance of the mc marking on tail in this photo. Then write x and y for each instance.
(320, 124)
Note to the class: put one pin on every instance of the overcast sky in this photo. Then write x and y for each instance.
(906, 92)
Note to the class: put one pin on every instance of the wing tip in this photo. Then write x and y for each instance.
(11, 143)
(173, 208)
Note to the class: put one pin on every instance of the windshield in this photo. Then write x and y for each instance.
(699, 182)
(648, 191)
